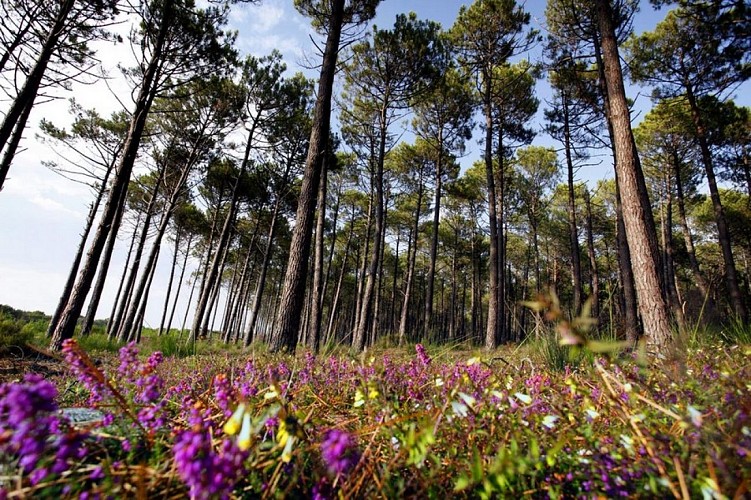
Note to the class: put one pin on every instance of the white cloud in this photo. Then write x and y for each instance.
(265, 18)
(36, 185)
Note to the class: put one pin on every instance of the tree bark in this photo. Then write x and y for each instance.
(18, 114)
(314, 328)
(411, 259)
(79, 253)
(179, 285)
(723, 233)
(576, 267)
(104, 265)
(434, 238)
(286, 330)
(146, 94)
(699, 278)
(627, 297)
(366, 316)
(494, 306)
(115, 326)
(639, 233)
(594, 275)
(167, 295)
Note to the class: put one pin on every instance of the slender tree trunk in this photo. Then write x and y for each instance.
(314, 329)
(212, 309)
(411, 259)
(394, 288)
(117, 321)
(699, 278)
(200, 317)
(67, 324)
(135, 329)
(594, 275)
(723, 233)
(434, 239)
(151, 262)
(639, 233)
(79, 253)
(18, 114)
(666, 221)
(18, 37)
(627, 299)
(332, 245)
(367, 306)
(96, 292)
(335, 300)
(494, 305)
(362, 256)
(15, 140)
(169, 283)
(255, 309)
(288, 319)
(121, 285)
(576, 267)
(179, 284)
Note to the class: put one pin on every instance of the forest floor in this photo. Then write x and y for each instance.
(410, 422)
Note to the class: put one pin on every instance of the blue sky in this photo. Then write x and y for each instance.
(42, 214)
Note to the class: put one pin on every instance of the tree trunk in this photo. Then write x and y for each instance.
(434, 238)
(666, 220)
(169, 283)
(366, 316)
(79, 253)
(342, 272)
(723, 233)
(288, 319)
(104, 265)
(250, 332)
(201, 315)
(627, 299)
(18, 114)
(576, 267)
(314, 328)
(594, 275)
(179, 285)
(411, 259)
(115, 326)
(494, 306)
(69, 318)
(636, 215)
(699, 278)
(134, 330)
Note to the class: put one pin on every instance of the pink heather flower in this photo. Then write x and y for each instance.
(28, 417)
(339, 451)
(208, 473)
(83, 368)
(422, 354)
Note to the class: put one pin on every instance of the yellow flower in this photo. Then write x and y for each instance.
(243, 440)
(234, 422)
(359, 398)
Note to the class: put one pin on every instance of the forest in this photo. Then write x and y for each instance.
(349, 295)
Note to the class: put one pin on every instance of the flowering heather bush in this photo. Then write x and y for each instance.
(396, 425)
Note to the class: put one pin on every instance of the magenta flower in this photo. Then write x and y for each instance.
(207, 472)
(339, 451)
(422, 354)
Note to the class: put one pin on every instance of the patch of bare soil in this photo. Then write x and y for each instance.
(16, 361)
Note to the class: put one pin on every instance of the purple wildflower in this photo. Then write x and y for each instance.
(339, 451)
(33, 430)
(422, 354)
(83, 368)
(208, 473)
